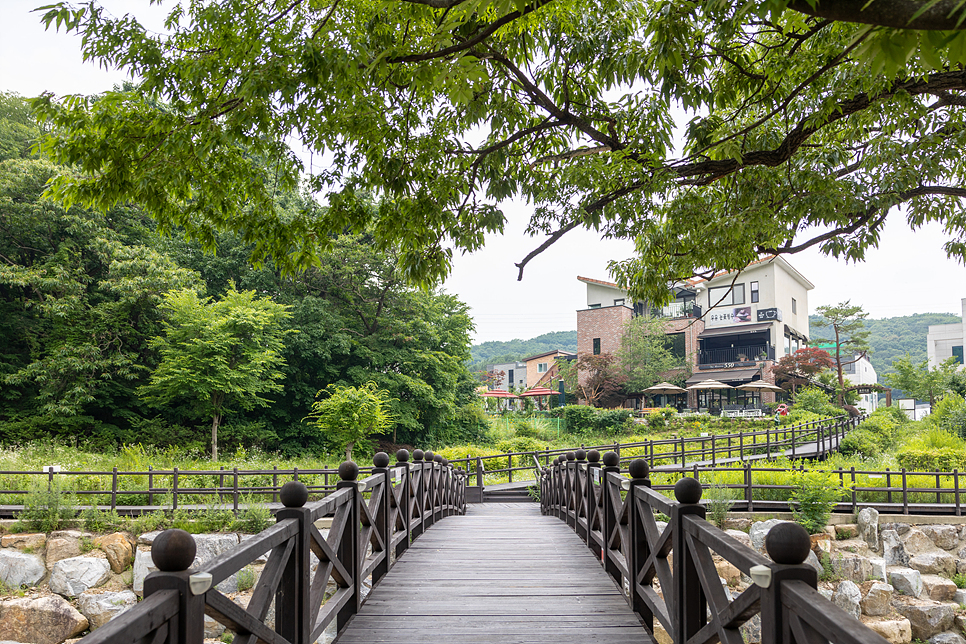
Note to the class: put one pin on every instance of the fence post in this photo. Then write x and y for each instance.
(419, 474)
(788, 548)
(174, 489)
(274, 483)
(380, 466)
(689, 598)
(405, 503)
(905, 493)
(234, 493)
(350, 551)
(611, 517)
(959, 510)
(748, 495)
(580, 494)
(479, 473)
(172, 553)
(292, 610)
(150, 485)
(638, 550)
(593, 517)
(509, 467)
(114, 490)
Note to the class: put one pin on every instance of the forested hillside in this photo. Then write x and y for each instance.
(892, 338)
(83, 294)
(495, 352)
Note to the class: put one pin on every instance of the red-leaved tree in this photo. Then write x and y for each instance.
(800, 367)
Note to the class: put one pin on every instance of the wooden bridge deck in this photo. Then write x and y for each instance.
(501, 573)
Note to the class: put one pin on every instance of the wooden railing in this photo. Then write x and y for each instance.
(374, 520)
(667, 572)
(684, 451)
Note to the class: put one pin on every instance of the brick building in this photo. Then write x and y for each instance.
(731, 328)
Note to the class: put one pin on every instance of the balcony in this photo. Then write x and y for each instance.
(736, 355)
(678, 310)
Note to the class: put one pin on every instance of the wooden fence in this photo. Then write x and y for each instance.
(374, 520)
(667, 573)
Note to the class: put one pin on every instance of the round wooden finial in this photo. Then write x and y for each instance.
(381, 459)
(294, 494)
(571, 456)
(428, 456)
(402, 456)
(418, 455)
(581, 454)
(638, 469)
(348, 471)
(611, 459)
(593, 456)
(438, 458)
(445, 462)
(788, 543)
(688, 490)
(173, 550)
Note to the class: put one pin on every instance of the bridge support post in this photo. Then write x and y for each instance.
(637, 549)
(349, 547)
(690, 602)
(292, 596)
(383, 516)
(573, 501)
(609, 521)
(593, 510)
(418, 470)
(788, 547)
(405, 501)
(581, 513)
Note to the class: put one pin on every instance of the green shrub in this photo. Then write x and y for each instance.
(253, 519)
(719, 499)
(800, 417)
(46, 510)
(861, 443)
(815, 495)
(521, 444)
(816, 401)
(577, 418)
(95, 520)
(960, 580)
(950, 414)
(246, 578)
(656, 422)
(526, 429)
(149, 522)
(935, 450)
(616, 421)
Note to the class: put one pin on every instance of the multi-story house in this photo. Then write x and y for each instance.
(543, 367)
(733, 327)
(945, 341)
(507, 375)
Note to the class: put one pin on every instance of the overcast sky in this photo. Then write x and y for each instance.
(908, 273)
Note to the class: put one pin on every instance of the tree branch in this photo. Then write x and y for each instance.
(943, 15)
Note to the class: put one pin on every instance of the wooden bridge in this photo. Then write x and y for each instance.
(590, 563)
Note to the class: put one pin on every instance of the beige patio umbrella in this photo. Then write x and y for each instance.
(665, 388)
(709, 384)
(759, 386)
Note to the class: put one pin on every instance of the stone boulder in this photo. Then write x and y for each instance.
(906, 581)
(938, 588)
(959, 597)
(812, 560)
(147, 538)
(821, 543)
(895, 631)
(867, 522)
(34, 541)
(21, 569)
(100, 608)
(759, 530)
(949, 637)
(893, 550)
(118, 549)
(942, 536)
(210, 546)
(876, 598)
(740, 536)
(934, 563)
(927, 618)
(916, 542)
(142, 566)
(878, 568)
(851, 566)
(848, 597)
(71, 577)
(42, 620)
(62, 548)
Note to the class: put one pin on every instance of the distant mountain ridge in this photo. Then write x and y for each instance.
(496, 352)
(892, 338)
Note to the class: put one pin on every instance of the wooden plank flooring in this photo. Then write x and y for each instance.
(501, 573)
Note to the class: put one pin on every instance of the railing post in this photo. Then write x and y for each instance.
(748, 495)
(593, 465)
(292, 597)
(637, 550)
(114, 490)
(383, 525)
(150, 485)
(351, 552)
(788, 545)
(405, 503)
(419, 474)
(173, 551)
(572, 488)
(689, 599)
(610, 519)
(580, 495)
(479, 473)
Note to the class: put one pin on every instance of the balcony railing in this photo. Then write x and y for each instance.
(736, 354)
(678, 310)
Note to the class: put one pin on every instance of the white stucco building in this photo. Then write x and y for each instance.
(945, 341)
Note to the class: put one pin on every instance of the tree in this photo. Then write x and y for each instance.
(596, 378)
(850, 337)
(644, 356)
(218, 356)
(800, 367)
(921, 382)
(807, 131)
(347, 415)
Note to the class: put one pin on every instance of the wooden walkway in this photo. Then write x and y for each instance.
(501, 573)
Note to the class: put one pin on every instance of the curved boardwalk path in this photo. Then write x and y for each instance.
(500, 573)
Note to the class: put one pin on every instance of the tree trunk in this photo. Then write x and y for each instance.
(215, 421)
(838, 363)
(348, 451)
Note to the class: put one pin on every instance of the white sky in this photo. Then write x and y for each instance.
(909, 272)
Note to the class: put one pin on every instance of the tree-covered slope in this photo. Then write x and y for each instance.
(892, 338)
(495, 352)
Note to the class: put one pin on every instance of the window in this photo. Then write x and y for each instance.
(727, 295)
(594, 306)
(510, 377)
(958, 354)
(541, 367)
(619, 302)
(754, 292)
(794, 306)
(674, 342)
(596, 346)
(788, 343)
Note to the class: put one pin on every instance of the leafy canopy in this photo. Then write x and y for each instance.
(707, 132)
(347, 415)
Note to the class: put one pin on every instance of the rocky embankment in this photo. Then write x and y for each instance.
(895, 577)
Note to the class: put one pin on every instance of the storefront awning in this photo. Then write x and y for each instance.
(733, 377)
(795, 334)
(735, 330)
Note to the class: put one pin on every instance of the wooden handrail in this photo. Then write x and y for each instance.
(374, 520)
